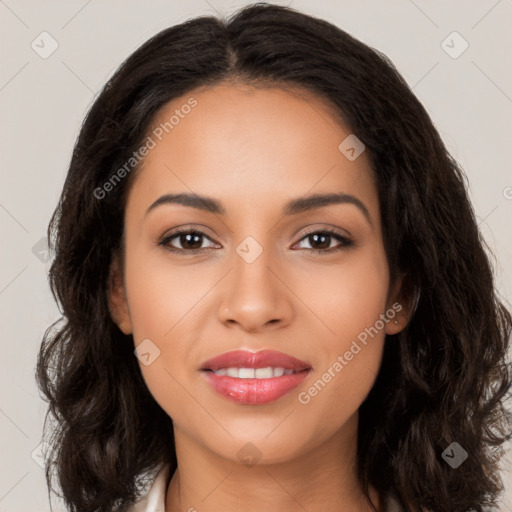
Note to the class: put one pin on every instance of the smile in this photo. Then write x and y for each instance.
(254, 378)
(253, 373)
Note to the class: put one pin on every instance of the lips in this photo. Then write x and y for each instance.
(262, 359)
(254, 378)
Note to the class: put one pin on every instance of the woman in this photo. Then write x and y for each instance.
(273, 287)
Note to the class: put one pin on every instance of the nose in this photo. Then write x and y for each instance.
(255, 296)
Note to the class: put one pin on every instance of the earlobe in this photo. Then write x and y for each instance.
(118, 304)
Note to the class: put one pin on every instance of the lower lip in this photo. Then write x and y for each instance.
(254, 391)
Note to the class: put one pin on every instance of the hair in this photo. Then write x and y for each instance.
(444, 378)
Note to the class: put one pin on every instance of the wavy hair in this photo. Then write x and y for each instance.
(444, 378)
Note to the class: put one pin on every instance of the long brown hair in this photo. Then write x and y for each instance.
(443, 379)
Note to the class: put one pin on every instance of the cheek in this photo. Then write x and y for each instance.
(347, 297)
(160, 294)
(338, 389)
(164, 308)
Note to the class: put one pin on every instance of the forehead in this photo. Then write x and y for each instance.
(252, 144)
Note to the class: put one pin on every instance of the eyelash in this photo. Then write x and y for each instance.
(345, 242)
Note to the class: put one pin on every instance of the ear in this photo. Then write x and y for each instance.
(117, 302)
(402, 302)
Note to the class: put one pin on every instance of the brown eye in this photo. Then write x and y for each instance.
(189, 241)
(320, 241)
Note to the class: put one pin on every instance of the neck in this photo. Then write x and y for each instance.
(323, 478)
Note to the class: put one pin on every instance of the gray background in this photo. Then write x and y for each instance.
(43, 102)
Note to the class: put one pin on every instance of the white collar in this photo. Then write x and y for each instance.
(154, 499)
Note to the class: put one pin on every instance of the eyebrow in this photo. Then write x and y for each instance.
(293, 207)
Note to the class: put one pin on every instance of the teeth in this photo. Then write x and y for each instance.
(246, 373)
(264, 373)
(253, 373)
(232, 372)
(278, 372)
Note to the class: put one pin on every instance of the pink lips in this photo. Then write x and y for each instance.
(253, 391)
(262, 359)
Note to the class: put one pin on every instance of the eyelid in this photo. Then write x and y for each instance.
(325, 228)
(187, 228)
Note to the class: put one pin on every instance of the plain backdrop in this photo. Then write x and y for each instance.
(43, 100)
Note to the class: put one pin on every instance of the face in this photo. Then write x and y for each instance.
(259, 267)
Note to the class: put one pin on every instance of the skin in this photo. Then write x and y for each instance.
(253, 150)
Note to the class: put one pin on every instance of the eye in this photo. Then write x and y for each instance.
(323, 239)
(190, 241)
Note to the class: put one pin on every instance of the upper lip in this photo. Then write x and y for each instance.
(261, 359)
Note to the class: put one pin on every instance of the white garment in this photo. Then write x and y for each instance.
(154, 499)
